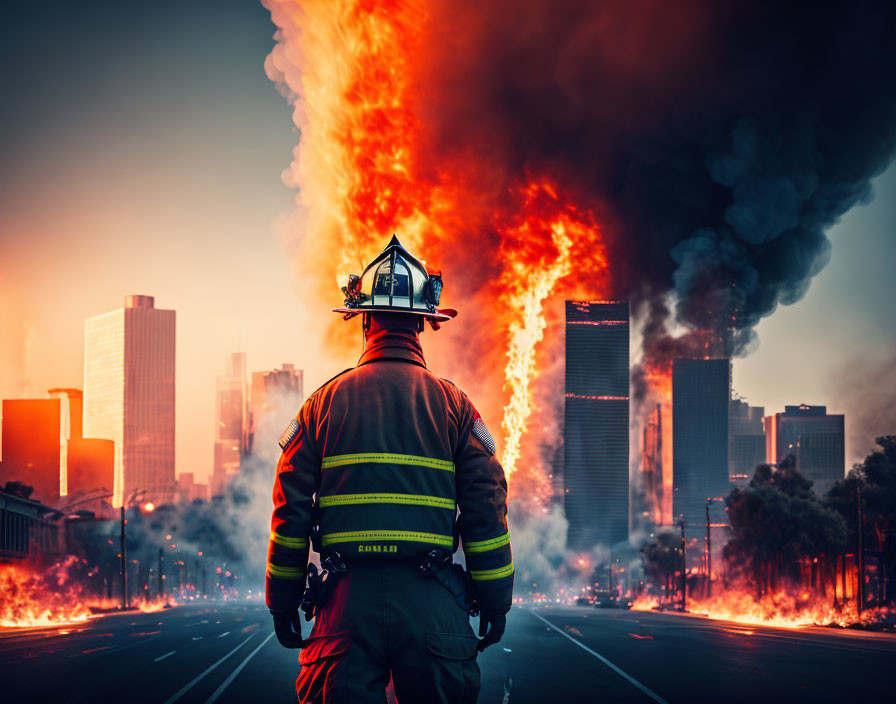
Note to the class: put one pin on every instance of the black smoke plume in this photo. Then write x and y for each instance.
(718, 141)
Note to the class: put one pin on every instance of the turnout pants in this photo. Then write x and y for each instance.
(385, 617)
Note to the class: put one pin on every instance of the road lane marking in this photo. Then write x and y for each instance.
(166, 655)
(226, 683)
(225, 633)
(650, 693)
(187, 687)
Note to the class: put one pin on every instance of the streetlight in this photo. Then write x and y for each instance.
(125, 596)
(709, 500)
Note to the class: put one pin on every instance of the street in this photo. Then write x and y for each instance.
(227, 653)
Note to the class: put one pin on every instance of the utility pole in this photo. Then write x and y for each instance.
(124, 565)
(860, 555)
(684, 567)
(708, 554)
(161, 573)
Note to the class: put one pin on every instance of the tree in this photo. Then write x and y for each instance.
(876, 479)
(661, 558)
(778, 526)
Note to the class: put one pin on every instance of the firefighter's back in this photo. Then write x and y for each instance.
(387, 432)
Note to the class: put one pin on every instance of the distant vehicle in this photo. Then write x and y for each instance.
(606, 600)
(584, 601)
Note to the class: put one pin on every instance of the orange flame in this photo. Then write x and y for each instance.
(31, 600)
(361, 167)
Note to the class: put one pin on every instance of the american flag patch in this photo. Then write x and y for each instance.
(483, 436)
(289, 434)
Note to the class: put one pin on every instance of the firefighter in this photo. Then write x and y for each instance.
(387, 467)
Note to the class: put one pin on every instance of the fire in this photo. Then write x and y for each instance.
(362, 169)
(779, 610)
(49, 599)
(539, 254)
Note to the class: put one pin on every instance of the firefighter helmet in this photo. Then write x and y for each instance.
(395, 282)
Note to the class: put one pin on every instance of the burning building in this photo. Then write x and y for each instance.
(596, 418)
(129, 394)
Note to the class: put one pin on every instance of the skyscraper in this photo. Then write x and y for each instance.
(596, 441)
(231, 422)
(129, 395)
(277, 396)
(652, 464)
(813, 437)
(701, 392)
(747, 441)
(71, 413)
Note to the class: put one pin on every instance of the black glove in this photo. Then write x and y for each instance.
(288, 628)
(491, 627)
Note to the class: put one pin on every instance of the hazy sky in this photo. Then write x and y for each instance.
(142, 147)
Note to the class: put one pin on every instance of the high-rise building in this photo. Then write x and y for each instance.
(232, 431)
(813, 437)
(129, 395)
(71, 412)
(31, 445)
(701, 392)
(746, 441)
(596, 440)
(652, 464)
(274, 387)
(91, 465)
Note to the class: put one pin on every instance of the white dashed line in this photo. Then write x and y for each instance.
(225, 633)
(653, 695)
(162, 657)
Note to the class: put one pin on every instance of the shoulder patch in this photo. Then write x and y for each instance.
(483, 436)
(289, 434)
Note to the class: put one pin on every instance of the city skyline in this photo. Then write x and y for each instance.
(204, 226)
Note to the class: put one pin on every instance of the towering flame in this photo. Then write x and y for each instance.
(363, 175)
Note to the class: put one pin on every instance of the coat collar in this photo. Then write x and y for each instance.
(393, 344)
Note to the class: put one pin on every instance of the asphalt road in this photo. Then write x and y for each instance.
(227, 653)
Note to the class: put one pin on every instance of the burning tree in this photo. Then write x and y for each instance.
(874, 481)
(780, 531)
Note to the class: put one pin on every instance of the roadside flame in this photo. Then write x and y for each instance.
(779, 610)
(29, 600)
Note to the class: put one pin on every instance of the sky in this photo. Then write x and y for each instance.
(141, 151)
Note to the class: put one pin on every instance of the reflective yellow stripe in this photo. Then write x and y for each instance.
(410, 499)
(485, 545)
(386, 458)
(285, 572)
(286, 542)
(497, 573)
(376, 535)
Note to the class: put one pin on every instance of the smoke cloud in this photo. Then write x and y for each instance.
(718, 140)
